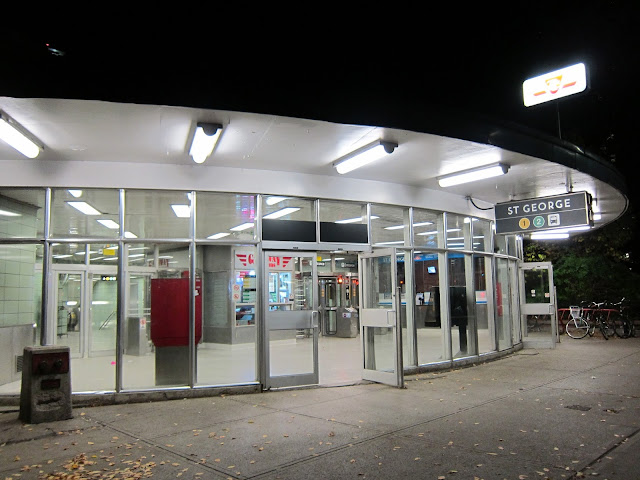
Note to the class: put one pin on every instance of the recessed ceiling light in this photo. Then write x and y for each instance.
(182, 211)
(7, 213)
(281, 213)
(355, 219)
(218, 235)
(84, 207)
(242, 227)
(108, 223)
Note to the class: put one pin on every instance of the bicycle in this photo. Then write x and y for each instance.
(596, 318)
(576, 327)
(623, 326)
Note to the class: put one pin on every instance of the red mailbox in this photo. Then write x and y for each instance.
(170, 312)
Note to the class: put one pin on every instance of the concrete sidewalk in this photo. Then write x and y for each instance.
(571, 412)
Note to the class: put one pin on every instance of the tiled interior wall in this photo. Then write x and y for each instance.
(18, 278)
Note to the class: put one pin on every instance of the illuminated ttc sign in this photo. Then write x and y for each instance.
(554, 85)
(546, 213)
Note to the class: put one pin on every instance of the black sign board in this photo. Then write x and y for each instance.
(546, 213)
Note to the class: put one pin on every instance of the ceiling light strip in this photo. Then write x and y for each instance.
(473, 175)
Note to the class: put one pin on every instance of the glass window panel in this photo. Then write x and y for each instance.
(222, 216)
(484, 324)
(500, 242)
(379, 353)
(70, 324)
(512, 245)
(157, 214)
(288, 208)
(343, 222)
(70, 253)
(102, 315)
(425, 228)
(227, 352)
(85, 213)
(503, 304)
(289, 219)
(342, 212)
(20, 307)
(380, 282)
(86, 317)
(427, 301)
(516, 327)
(387, 225)
(103, 254)
(458, 232)
(156, 342)
(21, 213)
(461, 309)
(481, 235)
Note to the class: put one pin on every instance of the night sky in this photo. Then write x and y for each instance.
(377, 65)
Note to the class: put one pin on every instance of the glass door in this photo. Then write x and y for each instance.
(102, 312)
(538, 304)
(380, 319)
(86, 311)
(70, 325)
(291, 319)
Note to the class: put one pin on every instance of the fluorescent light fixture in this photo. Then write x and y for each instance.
(355, 220)
(216, 236)
(13, 133)
(281, 213)
(130, 235)
(549, 236)
(244, 226)
(397, 242)
(182, 211)
(7, 213)
(108, 223)
(75, 193)
(399, 227)
(72, 303)
(274, 199)
(363, 156)
(204, 140)
(66, 255)
(84, 207)
(472, 175)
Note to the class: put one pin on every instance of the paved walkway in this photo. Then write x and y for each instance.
(571, 412)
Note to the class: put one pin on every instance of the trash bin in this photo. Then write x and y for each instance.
(45, 394)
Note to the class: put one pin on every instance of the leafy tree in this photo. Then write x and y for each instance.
(595, 266)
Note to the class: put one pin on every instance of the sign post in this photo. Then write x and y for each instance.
(546, 213)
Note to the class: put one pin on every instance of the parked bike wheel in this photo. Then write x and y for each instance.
(621, 326)
(605, 330)
(577, 328)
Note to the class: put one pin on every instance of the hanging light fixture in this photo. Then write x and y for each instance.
(16, 136)
(363, 156)
(473, 175)
(204, 140)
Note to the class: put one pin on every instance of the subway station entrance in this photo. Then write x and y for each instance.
(316, 329)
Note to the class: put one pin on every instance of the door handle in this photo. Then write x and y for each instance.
(391, 322)
(314, 319)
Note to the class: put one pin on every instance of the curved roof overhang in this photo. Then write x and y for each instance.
(127, 145)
